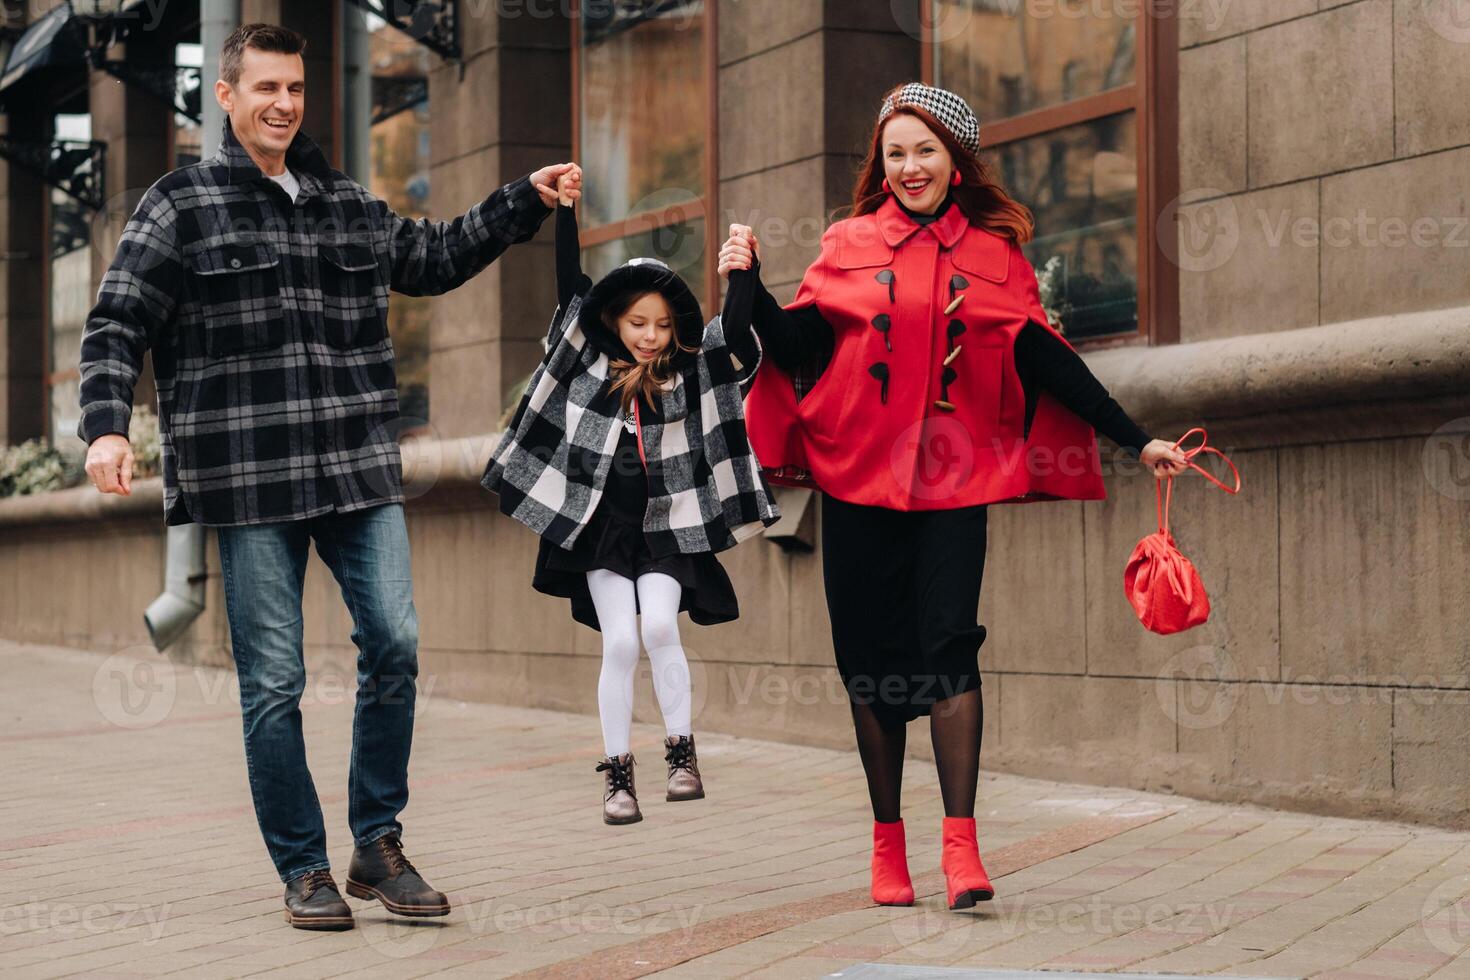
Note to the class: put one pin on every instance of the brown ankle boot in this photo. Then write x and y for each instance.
(620, 801)
(684, 781)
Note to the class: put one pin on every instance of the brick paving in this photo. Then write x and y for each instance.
(132, 851)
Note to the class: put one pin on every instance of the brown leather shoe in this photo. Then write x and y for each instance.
(313, 902)
(380, 871)
(620, 799)
(684, 781)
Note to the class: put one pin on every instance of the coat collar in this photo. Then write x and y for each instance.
(304, 158)
(896, 226)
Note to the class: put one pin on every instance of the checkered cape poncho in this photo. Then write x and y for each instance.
(705, 487)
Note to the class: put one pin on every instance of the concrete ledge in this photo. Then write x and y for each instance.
(79, 504)
(1394, 375)
(1418, 357)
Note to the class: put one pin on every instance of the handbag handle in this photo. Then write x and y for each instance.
(1162, 501)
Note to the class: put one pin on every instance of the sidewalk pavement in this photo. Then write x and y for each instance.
(133, 852)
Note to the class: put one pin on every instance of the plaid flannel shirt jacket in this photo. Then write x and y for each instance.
(277, 395)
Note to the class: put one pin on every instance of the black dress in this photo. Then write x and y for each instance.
(613, 538)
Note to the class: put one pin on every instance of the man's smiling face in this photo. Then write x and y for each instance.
(266, 105)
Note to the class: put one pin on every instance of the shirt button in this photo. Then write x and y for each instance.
(235, 263)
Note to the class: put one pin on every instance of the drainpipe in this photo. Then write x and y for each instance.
(217, 18)
(182, 600)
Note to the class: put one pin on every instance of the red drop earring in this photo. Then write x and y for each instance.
(886, 188)
(954, 179)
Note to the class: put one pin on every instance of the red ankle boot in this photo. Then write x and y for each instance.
(891, 884)
(964, 875)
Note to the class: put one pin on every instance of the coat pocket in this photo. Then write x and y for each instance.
(239, 292)
(351, 315)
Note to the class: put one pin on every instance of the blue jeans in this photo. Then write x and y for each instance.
(264, 566)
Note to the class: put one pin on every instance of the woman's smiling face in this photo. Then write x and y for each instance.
(647, 328)
(916, 163)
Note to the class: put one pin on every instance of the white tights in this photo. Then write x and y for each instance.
(618, 600)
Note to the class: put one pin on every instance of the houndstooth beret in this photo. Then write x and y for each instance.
(953, 113)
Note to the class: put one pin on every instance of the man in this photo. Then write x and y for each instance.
(260, 280)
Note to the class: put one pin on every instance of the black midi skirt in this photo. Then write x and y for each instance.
(903, 590)
(619, 546)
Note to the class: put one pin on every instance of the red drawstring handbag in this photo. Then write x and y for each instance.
(1161, 584)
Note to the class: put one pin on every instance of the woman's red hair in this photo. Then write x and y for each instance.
(979, 196)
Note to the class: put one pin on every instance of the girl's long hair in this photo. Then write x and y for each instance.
(979, 196)
(644, 378)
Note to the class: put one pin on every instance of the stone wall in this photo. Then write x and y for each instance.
(1334, 672)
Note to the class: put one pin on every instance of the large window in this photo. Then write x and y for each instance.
(1077, 122)
(644, 90)
(186, 137)
(69, 293)
(399, 174)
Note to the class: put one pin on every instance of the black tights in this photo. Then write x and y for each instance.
(954, 728)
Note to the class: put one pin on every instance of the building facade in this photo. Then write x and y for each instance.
(1251, 216)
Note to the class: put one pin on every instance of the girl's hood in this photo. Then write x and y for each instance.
(643, 275)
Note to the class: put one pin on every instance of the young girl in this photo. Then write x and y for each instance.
(628, 456)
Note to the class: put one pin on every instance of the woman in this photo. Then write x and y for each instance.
(914, 381)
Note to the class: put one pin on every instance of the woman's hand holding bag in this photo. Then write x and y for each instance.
(1162, 585)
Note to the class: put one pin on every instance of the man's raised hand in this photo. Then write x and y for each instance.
(545, 181)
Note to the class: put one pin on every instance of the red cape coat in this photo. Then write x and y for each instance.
(909, 453)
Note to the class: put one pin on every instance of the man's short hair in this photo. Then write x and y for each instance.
(261, 37)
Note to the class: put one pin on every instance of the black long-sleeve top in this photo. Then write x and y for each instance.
(802, 338)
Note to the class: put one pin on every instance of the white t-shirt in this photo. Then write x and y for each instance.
(288, 181)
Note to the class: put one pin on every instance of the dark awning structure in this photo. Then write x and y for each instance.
(433, 23)
(56, 41)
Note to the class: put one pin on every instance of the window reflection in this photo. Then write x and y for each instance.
(1006, 60)
(1081, 183)
(70, 295)
(680, 246)
(399, 174)
(642, 104)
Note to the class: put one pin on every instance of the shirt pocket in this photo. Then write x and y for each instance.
(351, 316)
(239, 291)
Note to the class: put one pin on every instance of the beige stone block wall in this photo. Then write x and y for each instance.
(1332, 675)
(502, 114)
(1320, 156)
